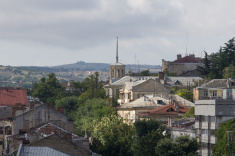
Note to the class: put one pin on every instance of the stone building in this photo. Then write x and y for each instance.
(39, 115)
(215, 104)
(182, 65)
(134, 90)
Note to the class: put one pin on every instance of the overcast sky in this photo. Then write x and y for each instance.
(55, 32)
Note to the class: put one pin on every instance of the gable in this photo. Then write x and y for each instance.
(151, 86)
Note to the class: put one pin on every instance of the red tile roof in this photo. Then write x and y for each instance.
(186, 59)
(13, 97)
(166, 110)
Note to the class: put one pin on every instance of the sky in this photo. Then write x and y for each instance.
(56, 32)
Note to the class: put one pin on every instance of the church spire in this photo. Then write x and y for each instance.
(117, 52)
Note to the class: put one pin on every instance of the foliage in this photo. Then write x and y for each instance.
(69, 103)
(145, 73)
(182, 146)
(217, 62)
(223, 147)
(49, 90)
(113, 137)
(229, 72)
(190, 113)
(144, 127)
(174, 89)
(92, 110)
(148, 133)
(94, 89)
(185, 94)
(145, 145)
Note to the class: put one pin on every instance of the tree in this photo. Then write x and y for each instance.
(190, 113)
(182, 146)
(205, 69)
(148, 134)
(113, 137)
(49, 90)
(92, 110)
(69, 103)
(225, 146)
(185, 94)
(145, 73)
(229, 72)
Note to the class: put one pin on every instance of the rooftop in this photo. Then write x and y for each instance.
(169, 109)
(186, 59)
(13, 97)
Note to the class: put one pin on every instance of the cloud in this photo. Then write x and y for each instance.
(150, 28)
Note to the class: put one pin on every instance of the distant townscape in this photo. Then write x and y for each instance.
(184, 107)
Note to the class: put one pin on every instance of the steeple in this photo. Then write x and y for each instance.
(117, 52)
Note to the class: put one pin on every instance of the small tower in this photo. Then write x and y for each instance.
(116, 70)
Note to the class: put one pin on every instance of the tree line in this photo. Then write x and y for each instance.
(220, 64)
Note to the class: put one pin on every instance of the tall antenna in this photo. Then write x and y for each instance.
(117, 52)
(187, 45)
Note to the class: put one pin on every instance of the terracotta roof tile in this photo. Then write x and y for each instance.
(13, 97)
(166, 110)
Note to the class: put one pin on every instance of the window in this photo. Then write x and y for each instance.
(197, 117)
(205, 93)
(205, 118)
(213, 132)
(213, 119)
(214, 93)
(205, 132)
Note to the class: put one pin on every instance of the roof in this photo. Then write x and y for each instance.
(183, 80)
(186, 59)
(122, 81)
(129, 85)
(39, 151)
(216, 83)
(166, 110)
(13, 97)
(144, 102)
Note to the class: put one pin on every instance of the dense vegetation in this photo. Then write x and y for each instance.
(220, 64)
(94, 116)
(225, 136)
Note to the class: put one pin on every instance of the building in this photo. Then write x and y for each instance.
(129, 111)
(37, 133)
(53, 144)
(215, 104)
(182, 65)
(136, 89)
(163, 113)
(39, 115)
(181, 127)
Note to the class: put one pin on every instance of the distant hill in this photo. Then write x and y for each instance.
(83, 66)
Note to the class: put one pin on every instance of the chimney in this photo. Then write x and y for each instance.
(179, 56)
(61, 110)
(165, 83)
(161, 75)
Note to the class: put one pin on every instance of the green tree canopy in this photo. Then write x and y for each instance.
(145, 73)
(113, 137)
(190, 113)
(49, 90)
(224, 146)
(92, 110)
(229, 72)
(185, 94)
(182, 146)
